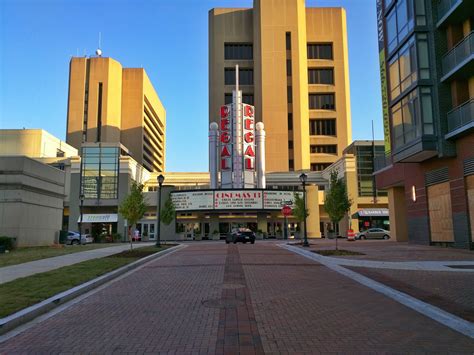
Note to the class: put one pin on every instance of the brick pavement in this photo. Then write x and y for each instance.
(289, 304)
(453, 292)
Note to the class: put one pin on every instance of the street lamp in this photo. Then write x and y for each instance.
(161, 178)
(81, 197)
(303, 178)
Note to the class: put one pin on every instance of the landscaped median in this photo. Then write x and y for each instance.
(26, 298)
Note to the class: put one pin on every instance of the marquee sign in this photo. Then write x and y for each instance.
(248, 199)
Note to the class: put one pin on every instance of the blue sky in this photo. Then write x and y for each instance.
(38, 37)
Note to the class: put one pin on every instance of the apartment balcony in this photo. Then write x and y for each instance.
(453, 11)
(459, 61)
(461, 119)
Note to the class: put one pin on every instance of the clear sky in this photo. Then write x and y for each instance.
(38, 38)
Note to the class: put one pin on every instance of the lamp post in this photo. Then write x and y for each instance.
(161, 178)
(81, 197)
(303, 178)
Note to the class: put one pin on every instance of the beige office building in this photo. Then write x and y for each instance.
(293, 66)
(111, 104)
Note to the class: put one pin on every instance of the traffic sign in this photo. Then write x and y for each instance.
(286, 210)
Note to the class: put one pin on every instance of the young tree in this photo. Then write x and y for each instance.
(299, 210)
(133, 207)
(337, 203)
(167, 212)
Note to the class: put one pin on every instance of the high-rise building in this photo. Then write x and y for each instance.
(111, 104)
(427, 70)
(293, 66)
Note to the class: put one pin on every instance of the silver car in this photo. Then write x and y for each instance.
(374, 233)
(73, 238)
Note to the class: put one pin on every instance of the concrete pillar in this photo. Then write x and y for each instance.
(260, 147)
(397, 214)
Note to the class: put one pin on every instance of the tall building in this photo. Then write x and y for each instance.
(111, 104)
(293, 66)
(427, 66)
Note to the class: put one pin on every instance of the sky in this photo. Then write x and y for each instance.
(169, 38)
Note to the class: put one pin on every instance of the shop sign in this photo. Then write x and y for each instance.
(192, 200)
(238, 199)
(274, 200)
(98, 218)
(249, 137)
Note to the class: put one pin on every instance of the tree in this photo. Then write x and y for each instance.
(337, 203)
(299, 210)
(167, 212)
(133, 207)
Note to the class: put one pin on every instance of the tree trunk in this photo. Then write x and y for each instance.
(130, 236)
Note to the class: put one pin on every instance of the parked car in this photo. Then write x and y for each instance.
(243, 235)
(73, 238)
(374, 233)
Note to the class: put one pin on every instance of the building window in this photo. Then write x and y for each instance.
(288, 41)
(399, 22)
(321, 76)
(288, 67)
(245, 76)
(100, 168)
(289, 94)
(320, 51)
(290, 144)
(60, 153)
(319, 166)
(324, 148)
(322, 102)
(291, 165)
(237, 51)
(246, 99)
(403, 69)
(290, 121)
(322, 127)
(365, 168)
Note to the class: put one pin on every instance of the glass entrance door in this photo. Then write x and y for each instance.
(148, 230)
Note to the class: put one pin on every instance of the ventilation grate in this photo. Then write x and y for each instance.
(436, 176)
(469, 167)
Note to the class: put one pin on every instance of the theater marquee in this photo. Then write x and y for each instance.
(247, 199)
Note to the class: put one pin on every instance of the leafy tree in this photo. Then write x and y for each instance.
(167, 212)
(299, 210)
(337, 203)
(133, 207)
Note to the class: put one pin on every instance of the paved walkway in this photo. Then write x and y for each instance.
(10, 273)
(248, 299)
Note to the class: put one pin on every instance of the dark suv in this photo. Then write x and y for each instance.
(243, 235)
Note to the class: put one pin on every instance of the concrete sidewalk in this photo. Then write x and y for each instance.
(10, 273)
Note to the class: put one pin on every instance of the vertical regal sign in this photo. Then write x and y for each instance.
(248, 136)
(226, 140)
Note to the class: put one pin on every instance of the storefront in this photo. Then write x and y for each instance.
(372, 218)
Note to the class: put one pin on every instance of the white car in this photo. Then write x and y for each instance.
(73, 238)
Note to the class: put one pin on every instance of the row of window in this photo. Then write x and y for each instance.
(322, 127)
(319, 166)
(323, 148)
(245, 76)
(365, 169)
(322, 102)
(244, 51)
(321, 76)
(246, 98)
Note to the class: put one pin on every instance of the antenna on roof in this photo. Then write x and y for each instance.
(99, 51)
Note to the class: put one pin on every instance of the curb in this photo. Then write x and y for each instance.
(27, 314)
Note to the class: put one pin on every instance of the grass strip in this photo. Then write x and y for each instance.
(24, 255)
(27, 291)
(339, 252)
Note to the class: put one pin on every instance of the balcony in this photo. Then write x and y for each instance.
(461, 119)
(459, 61)
(453, 11)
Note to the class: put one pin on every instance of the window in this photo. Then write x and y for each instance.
(236, 51)
(246, 99)
(288, 41)
(365, 168)
(100, 167)
(291, 165)
(406, 124)
(289, 94)
(60, 153)
(403, 69)
(320, 51)
(322, 127)
(245, 76)
(324, 148)
(319, 166)
(290, 121)
(288, 67)
(290, 144)
(321, 102)
(321, 76)
(399, 22)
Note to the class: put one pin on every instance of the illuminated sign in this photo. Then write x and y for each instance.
(193, 200)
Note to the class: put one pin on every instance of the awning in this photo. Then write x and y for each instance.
(98, 218)
(371, 212)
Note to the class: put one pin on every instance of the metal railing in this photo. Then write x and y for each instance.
(463, 49)
(444, 6)
(461, 115)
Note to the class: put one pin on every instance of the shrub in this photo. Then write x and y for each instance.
(7, 242)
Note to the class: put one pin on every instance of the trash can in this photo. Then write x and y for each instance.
(62, 237)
